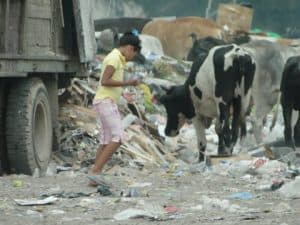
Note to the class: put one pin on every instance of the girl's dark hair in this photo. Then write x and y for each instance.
(130, 38)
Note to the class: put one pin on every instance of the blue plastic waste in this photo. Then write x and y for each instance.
(241, 195)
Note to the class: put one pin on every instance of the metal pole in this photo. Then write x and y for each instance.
(6, 29)
(207, 12)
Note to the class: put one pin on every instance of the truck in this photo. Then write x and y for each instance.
(43, 45)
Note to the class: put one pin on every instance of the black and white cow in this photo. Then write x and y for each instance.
(216, 83)
(290, 98)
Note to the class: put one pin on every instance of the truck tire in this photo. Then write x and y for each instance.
(28, 126)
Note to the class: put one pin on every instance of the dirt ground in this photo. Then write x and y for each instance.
(177, 193)
(173, 194)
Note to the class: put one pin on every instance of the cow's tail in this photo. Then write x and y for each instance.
(276, 111)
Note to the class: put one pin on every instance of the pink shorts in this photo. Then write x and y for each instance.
(108, 121)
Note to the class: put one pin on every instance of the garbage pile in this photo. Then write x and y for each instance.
(142, 119)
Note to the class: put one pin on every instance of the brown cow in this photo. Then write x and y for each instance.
(175, 34)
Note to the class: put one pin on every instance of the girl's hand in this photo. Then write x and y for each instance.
(133, 82)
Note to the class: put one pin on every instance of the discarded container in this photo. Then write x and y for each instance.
(133, 192)
(291, 190)
(198, 168)
(270, 187)
(239, 169)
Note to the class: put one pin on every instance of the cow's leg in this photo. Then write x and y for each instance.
(200, 131)
(295, 117)
(297, 132)
(223, 130)
(236, 119)
(287, 116)
(264, 100)
(274, 119)
(261, 112)
(246, 105)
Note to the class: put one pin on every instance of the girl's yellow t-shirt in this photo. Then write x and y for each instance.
(116, 60)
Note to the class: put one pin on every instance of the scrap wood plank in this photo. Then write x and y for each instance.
(144, 142)
(141, 141)
(152, 129)
(83, 111)
(141, 150)
(77, 89)
(157, 152)
(135, 152)
(75, 97)
(160, 146)
(168, 155)
(83, 84)
(132, 153)
(135, 129)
